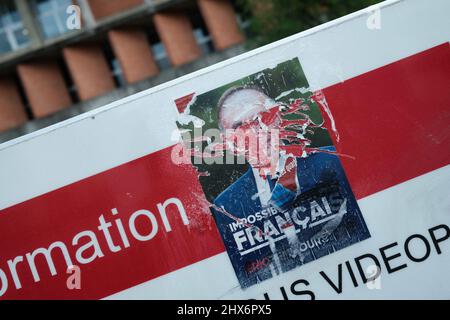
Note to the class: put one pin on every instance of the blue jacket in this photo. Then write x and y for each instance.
(319, 174)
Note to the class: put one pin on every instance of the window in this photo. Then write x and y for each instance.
(160, 55)
(70, 85)
(203, 40)
(51, 16)
(114, 65)
(117, 72)
(22, 95)
(13, 35)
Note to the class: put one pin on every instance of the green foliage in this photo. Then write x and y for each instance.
(271, 20)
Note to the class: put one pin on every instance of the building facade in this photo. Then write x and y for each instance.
(59, 58)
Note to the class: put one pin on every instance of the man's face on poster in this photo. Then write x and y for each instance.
(250, 121)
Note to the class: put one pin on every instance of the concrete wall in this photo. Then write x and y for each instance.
(120, 93)
(82, 53)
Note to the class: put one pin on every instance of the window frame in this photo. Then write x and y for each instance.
(54, 12)
(10, 27)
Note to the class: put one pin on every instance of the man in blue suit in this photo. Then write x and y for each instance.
(271, 224)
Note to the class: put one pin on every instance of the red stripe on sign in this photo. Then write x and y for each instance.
(140, 193)
(394, 120)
